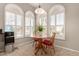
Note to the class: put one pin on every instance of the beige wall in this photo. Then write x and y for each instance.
(1, 15)
(71, 27)
(71, 24)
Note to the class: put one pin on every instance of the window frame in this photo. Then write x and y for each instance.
(15, 25)
(59, 25)
(32, 17)
(40, 22)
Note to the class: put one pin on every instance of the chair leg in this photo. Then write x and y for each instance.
(50, 51)
(54, 50)
(44, 50)
(36, 51)
(33, 43)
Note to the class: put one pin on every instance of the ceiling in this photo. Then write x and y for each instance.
(45, 6)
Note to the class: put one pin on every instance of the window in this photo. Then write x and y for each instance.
(42, 20)
(10, 18)
(19, 26)
(57, 24)
(10, 21)
(29, 24)
(13, 22)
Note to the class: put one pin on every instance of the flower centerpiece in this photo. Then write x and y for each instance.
(40, 29)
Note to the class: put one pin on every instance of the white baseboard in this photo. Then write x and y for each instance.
(67, 48)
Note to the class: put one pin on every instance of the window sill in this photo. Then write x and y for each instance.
(59, 38)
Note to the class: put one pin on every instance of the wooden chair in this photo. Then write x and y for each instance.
(49, 42)
(39, 46)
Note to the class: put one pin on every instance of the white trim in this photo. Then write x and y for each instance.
(67, 48)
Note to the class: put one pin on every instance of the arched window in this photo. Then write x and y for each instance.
(42, 20)
(14, 20)
(29, 24)
(57, 18)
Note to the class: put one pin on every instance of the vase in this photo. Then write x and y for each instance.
(40, 34)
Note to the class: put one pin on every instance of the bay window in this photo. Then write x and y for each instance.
(26, 27)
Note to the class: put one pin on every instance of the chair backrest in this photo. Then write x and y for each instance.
(53, 38)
